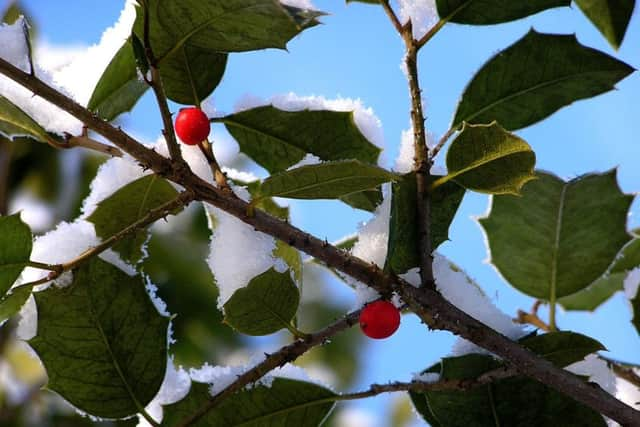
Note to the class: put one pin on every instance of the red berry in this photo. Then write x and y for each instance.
(192, 125)
(380, 319)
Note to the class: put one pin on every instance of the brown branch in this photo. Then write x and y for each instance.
(283, 356)
(218, 175)
(392, 16)
(183, 199)
(442, 142)
(430, 306)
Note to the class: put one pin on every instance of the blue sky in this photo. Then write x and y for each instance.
(357, 54)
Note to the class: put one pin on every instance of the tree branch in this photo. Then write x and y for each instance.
(283, 356)
(430, 306)
(152, 216)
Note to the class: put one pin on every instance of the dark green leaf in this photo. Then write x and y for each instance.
(278, 139)
(367, 200)
(15, 123)
(558, 237)
(102, 341)
(510, 402)
(628, 258)
(126, 206)
(488, 159)
(287, 403)
(535, 77)
(119, 87)
(329, 180)
(266, 305)
(562, 348)
(15, 249)
(13, 302)
(595, 294)
(487, 12)
(403, 253)
(229, 25)
(611, 17)
(190, 74)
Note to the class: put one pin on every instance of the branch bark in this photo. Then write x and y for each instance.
(430, 306)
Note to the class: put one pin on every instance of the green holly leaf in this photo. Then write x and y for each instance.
(404, 253)
(286, 403)
(562, 348)
(229, 25)
(488, 159)
(12, 303)
(535, 77)
(16, 123)
(190, 74)
(277, 139)
(367, 200)
(329, 180)
(595, 294)
(611, 17)
(126, 206)
(267, 304)
(558, 237)
(15, 249)
(102, 341)
(119, 87)
(513, 401)
(487, 12)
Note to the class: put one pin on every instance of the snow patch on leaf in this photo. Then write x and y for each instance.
(631, 283)
(597, 371)
(175, 387)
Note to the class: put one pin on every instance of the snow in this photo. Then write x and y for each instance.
(14, 49)
(357, 417)
(422, 13)
(309, 159)
(371, 246)
(404, 162)
(82, 74)
(366, 120)
(427, 377)
(175, 387)
(220, 377)
(37, 214)
(631, 282)
(462, 292)
(628, 393)
(238, 253)
(597, 371)
(302, 4)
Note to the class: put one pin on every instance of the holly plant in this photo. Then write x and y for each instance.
(133, 302)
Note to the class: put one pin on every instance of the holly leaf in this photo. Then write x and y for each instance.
(102, 341)
(15, 249)
(267, 304)
(277, 139)
(12, 303)
(367, 200)
(404, 253)
(562, 348)
(558, 237)
(190, 74)
(487, 12)
(229, 25)
(610, 17)
(119, 87)
(126, 206)
(488, 159)
(329, 180)
(595, 294)
(16, 123)
(286, 403)
(535, 77)
(512, 401)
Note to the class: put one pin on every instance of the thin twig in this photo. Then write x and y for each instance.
(392, 16)
(283, 356)
(216, 170)
(161, 98)
(443, 140)
(428, 305)
(183, 199)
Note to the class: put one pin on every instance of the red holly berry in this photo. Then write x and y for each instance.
(192, 126)
(380, 319)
